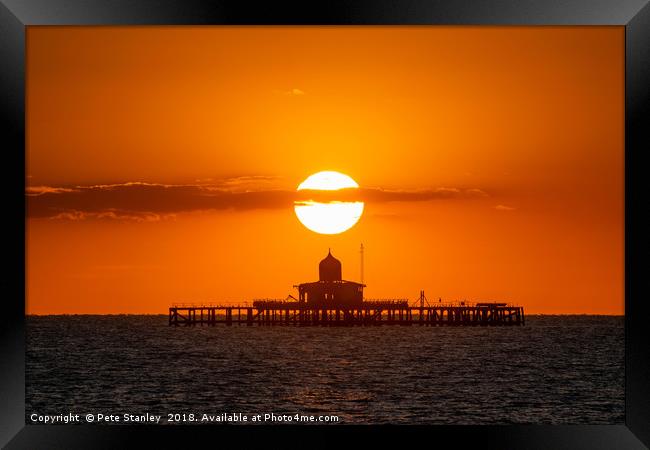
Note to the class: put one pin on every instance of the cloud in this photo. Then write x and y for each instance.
(113, 214)
(380, 195)
(504, 208)
(292, 92)
(149, 202)
(245, 183)
(40, 190)
(476, 193)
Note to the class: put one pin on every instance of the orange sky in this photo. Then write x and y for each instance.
(490, 158)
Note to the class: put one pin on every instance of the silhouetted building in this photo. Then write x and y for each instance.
(331, 289)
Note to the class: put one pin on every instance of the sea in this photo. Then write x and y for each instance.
(553, 370)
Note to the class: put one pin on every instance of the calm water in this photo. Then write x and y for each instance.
(556, 369)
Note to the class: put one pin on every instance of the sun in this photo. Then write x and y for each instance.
(333, 217)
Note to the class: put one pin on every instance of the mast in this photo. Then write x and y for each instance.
(361, 266)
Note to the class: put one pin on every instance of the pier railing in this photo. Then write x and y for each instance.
(366, 302)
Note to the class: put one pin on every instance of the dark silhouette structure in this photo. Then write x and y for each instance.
(333, 301)
(370, 313)
(330, 289)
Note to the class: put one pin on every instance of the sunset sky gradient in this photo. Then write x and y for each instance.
(162, 163)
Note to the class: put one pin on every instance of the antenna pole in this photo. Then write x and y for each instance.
(361, 254)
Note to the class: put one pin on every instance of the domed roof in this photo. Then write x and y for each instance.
(329, 269)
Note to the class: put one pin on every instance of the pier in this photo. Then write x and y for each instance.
(369, 313)
(334, 302)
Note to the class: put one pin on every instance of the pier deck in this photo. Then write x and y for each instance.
(370, 314)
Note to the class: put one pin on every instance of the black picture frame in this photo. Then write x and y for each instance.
(634, 15)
